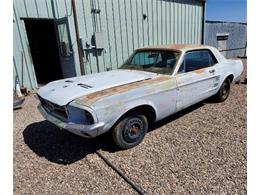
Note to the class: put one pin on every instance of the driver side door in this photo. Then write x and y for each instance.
(195, 78)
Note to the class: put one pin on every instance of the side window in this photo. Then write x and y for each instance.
(212, 59)
(182, 67)
(195, 60)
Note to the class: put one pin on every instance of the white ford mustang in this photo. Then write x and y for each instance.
(152, 84)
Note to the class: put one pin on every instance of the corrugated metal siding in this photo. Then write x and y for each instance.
(237, 36)
(121, 21)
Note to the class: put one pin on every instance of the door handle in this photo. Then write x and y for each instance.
(212, 71)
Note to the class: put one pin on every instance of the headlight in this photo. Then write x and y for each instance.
(81, 114)
(89, 118)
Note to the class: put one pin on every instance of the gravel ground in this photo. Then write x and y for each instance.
(50, 161)
(201, 150)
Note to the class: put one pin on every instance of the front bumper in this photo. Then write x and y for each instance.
(79, 129)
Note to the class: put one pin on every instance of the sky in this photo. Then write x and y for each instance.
(226, 10)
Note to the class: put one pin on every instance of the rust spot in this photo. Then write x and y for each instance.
(199, 71)
(122, 88)
(134, 130)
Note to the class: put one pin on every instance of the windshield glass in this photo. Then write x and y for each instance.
(161, 62)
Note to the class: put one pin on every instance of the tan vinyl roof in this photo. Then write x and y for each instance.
(178, 47)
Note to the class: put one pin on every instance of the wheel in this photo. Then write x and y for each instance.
(130, 131)
(224, 91)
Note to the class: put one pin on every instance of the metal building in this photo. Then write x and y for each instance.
(55, 39)
(229, 37)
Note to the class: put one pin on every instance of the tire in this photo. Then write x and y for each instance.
(224, 91)
(130, 131)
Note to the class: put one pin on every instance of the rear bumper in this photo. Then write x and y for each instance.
(79, 129)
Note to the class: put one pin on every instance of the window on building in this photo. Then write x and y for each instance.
(64, 39)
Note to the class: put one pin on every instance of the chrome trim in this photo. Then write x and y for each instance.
(79, 129)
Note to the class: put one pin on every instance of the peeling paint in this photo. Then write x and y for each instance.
(199, 71)
(88, 99)
(175, 47)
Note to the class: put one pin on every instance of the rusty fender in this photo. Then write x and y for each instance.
(110, 104)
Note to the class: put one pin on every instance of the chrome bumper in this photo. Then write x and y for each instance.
(79, 129)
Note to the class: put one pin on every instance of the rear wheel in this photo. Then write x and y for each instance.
(224, 91)
(130, 131)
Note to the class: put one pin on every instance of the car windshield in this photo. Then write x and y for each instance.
(156, 61)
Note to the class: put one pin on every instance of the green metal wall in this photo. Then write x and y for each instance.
(121, 21)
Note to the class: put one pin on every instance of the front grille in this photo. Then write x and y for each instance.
(55, 109)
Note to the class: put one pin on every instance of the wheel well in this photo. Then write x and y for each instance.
(231, 77)
(147, 110)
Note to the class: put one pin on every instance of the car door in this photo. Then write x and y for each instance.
(195, 78)
(65, 47)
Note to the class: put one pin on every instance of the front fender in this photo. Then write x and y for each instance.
(113, 113)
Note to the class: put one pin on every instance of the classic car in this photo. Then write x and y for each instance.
(153, 83)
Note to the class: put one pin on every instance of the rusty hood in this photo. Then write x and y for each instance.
(63, 91)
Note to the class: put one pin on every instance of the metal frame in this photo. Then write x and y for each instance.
(65, 21)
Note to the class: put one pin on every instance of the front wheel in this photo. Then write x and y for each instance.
(130, 131)
(224, 91)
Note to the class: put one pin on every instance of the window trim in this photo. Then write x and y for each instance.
(195, 50)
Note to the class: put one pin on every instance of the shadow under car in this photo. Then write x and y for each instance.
(62, 147)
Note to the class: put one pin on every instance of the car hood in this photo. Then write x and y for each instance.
(63, 91)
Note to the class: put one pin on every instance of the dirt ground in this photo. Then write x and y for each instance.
(201, 150)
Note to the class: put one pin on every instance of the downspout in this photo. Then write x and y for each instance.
(203, 20)
(82, 70)
(53, 9)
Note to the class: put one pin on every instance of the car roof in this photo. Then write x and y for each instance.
(176, 47)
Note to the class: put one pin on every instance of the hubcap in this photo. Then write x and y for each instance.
(133, 129)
